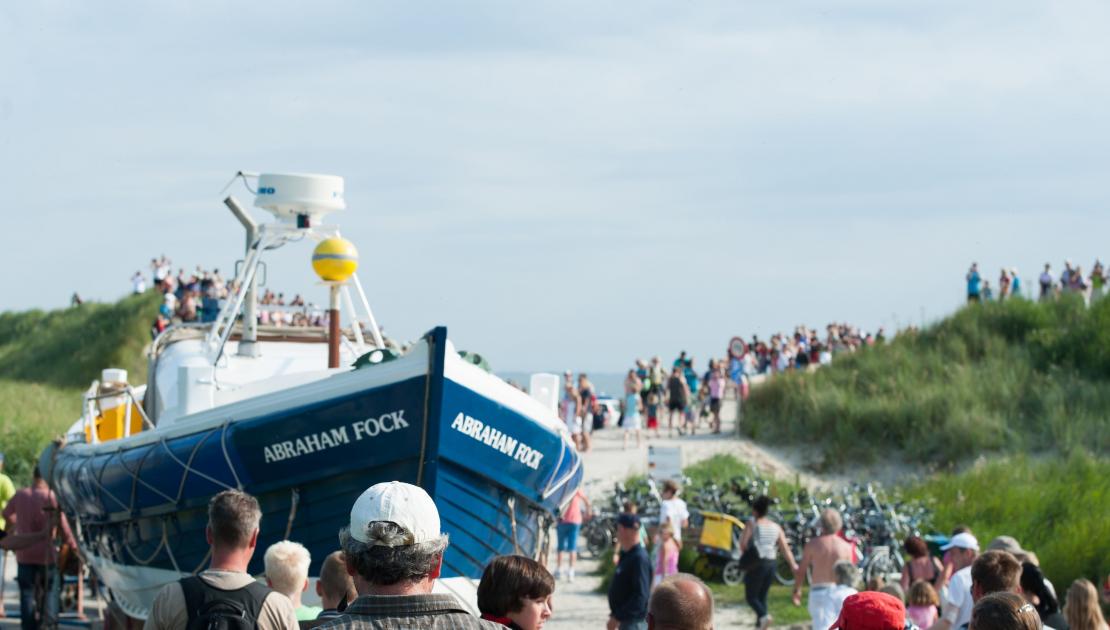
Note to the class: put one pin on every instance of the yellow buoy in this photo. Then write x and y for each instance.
(335, 259)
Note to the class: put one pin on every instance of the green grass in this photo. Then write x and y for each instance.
(69, 347)
(32, 414)
(1009, 377)
(779, 604)
(1058, 508)
(48, 358)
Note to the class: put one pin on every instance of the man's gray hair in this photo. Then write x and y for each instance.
(233, 518)
(846, 573)
(831, 522)
(681, 602)
(389, 558)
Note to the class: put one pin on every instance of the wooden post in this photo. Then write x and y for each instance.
(333, 328)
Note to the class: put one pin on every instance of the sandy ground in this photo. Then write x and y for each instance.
(577, 604)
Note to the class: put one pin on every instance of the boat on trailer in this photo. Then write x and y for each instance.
(304, 419)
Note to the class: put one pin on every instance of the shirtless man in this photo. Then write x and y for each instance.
(818, 558)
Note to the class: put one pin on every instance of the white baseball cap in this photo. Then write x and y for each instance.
(402, 504)
(962, 540)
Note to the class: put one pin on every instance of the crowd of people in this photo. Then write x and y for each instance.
(1072, 280)
(990, 590)
(391, 553)
(687, 399)
(381, 576)
(198, 297)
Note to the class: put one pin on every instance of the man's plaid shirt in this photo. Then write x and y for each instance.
(434, 611)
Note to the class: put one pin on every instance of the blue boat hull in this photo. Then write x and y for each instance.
(497, 475)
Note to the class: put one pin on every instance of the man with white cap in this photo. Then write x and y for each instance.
(394, 549)
(957, 605)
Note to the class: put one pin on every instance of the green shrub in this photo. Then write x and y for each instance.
(1058, 508)
(1013, 377)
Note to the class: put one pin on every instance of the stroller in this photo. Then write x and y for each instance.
(719, 548)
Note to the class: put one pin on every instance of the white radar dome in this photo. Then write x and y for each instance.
(298, 197)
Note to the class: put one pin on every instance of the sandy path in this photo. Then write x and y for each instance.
(577, 604)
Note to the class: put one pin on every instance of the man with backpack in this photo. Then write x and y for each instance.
(224, 596)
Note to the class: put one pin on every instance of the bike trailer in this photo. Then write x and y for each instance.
(720, 534)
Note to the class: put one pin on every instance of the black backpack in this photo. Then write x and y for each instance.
(212, 608)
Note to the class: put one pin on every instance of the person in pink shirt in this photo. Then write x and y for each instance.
(30, 511)
(716, 386)
(923, 602)
(570, 523)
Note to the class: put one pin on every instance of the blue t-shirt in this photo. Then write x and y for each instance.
(973, 283)
(691, 379)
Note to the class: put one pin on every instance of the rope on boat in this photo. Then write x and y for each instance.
(142, 561)
(169, 548)
(427, 410)
(189, 469)
(511, 501)
(544, 548)
(227, 457)
(294, 500)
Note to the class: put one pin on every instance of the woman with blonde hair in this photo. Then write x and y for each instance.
(667, 555)
(1081, 607)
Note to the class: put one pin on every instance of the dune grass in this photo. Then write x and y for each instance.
(48, 358)
(69, 347)
(1057, 507)
(31, 414)
(1011, 377)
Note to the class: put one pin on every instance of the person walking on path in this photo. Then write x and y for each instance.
(1003, 285)
(586, 399)
(225, 588)
(566, 533)
(716, 386)
(673, 509)
(394, 550)
(678, 396)
(570, 408)
(30, 511)
(768, 538)
(631, 584)
(666, 562)
(818, 559)
(633, 419)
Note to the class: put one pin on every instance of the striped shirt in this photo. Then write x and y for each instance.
(766, 537)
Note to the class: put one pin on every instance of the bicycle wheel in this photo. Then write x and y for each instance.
(731, 573)
(599, 536)
(881, 563)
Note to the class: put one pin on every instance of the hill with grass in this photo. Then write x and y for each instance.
(1017, 377)
(48, 358)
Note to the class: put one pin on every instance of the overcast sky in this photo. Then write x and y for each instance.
(567, 184)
